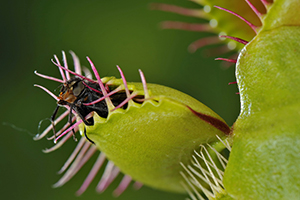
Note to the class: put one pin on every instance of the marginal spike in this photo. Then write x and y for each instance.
(235, 39)
(75, 165)
(60, 70)
(74, 73)
(48, 77)
(225, 142)
(68, 130)
(190, 184)
(259, 14)
(125, 101)
(203, 42)
(46, 90)
(137, 185)
(91, 87)
(104, 97)
(266, 3)
(109, 104)
(71, 158)
(252, 26)
(63, 128)
(100, 160)
(186, 26)
(178, 10)
(109, 174)
(60, 143)
(124, 81)
(227, 60)
(230, 83)
(143, 79)
(122, 186)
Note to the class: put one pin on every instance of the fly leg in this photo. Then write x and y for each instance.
(88, 122)
(52, 120)
(71, 123)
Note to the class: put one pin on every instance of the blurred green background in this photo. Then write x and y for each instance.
(118, 32)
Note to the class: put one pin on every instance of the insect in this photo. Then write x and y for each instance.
(79, 94)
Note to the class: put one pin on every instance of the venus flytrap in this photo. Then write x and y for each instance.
(168, 140)
(264, 161)
(147, 131)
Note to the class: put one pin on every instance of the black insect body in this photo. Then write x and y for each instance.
(75, 92)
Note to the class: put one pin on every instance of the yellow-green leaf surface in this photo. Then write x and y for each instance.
(265, 159)
(148, 141)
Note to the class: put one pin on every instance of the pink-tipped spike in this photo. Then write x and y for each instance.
(124, 81)
(81, 142)
(78, 165)
(110, 173)
(203, 42)
(122, 186)
(48, 77)
(75, 165)
(68, 130)
(231, 12)
(102, 98)
(254, 9)
(125, 101)
(74, 73)
(92, 174)
(66, 65)
(230, 83)
(60, 143)
(91, 87)
(265, 2)
(235, 39)
(62, 129)
(107, 100)
(186, 26)
(227, 60)
(60, 70)
(87, 72)
(137, 185)
(178, 10)
(143, 79)
(77, 66)
(46, 90)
